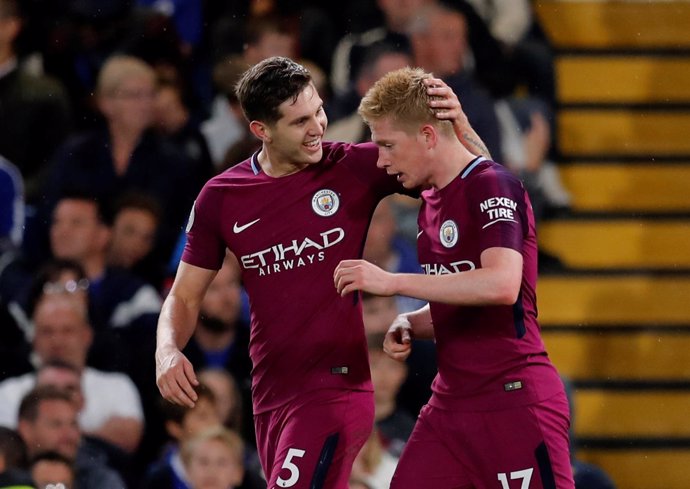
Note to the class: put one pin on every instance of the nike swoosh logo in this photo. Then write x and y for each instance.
(239, 229)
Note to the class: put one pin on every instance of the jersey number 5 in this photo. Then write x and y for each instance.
(294, 470)
(525, 475)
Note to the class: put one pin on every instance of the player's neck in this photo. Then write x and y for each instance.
(275, 166)
(451, 160)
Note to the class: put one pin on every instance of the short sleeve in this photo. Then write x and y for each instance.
(499, 210)
(205, 247)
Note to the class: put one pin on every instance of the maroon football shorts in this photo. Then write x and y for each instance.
(524, 447)
(312, 442)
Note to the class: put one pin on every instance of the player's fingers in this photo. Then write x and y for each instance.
(405, 336)
(185, 381)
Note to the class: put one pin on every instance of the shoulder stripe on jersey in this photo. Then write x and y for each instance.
(473, 164)
(256, 168)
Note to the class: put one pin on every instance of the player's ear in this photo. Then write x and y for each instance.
(429, 135)
(260, 130)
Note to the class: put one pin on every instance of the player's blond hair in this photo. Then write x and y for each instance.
(402, 95)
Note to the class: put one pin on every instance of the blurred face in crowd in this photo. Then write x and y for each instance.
(60, 330)
(55, 428)
(76, 232)
(214, 465)
(202, 416)
(399, 13)
(442, 46)
(132, 236)
(64, 379)
(226, 393)
(46, 472)
(130, 106)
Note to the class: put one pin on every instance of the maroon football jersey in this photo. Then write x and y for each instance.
(489, 357)
(289, 234)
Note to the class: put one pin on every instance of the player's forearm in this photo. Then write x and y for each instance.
(420, 321)
(473, 288)
(176, 324)
(469, 138)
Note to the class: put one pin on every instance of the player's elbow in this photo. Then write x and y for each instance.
(505, 293)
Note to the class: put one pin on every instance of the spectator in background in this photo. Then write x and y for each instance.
(18, 333)
(34, 109)
(214, 459)
(439, 39)
(374, 464)
(112, 406)
(513, 25)
(125, 155)
(117, 299)
(48, 422)
(173, 119)
(378, 59)
(136, 219)
(393, 422)
(379, 313)
(225, 127)
(13, 461)
(229, 402)
(11, 207)
(50, 469)
(181, 423)
(349, 52)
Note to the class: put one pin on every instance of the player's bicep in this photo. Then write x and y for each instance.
(505, 265)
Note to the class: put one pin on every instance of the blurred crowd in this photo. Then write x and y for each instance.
(113, 114)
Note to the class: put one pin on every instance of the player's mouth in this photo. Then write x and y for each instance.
(313, 145)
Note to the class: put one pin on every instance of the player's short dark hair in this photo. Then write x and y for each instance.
(269, 83)
(12, 448)
(176, 413)
(31, 402)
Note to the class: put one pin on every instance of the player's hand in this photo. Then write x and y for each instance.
(175, 378)
(398, 340)
(352, 275)
(445, 102)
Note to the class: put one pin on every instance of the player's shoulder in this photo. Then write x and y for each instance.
(340, 152)
(485, 172)
(238, 174)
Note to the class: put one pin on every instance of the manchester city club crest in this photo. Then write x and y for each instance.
(325, 202)
(449, 234)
